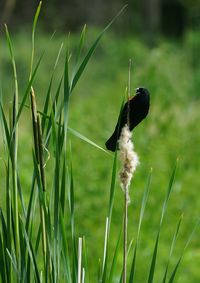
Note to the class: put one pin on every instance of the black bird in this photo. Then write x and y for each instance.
(133, 112)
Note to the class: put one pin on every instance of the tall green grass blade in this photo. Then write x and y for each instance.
(85, 259)
(115, 257)
(172, 248)
(80, 247)
(8, 218)
(4, 244)
(82, 137)
(65, 252)
(42, 206)
(28, 88)
(5, 125)
(105, 252)
(14, 144)
(2, 262)
(66, 97)
(112, 186)
(78, 51)
(74, 251)
(30, 211)
(21, 197)
(71, 201)
(173, 274)
(142, 210)
(46, 104)
(91, 51)
(72, 223)
(168, 192)
(33, 36)
(47, 100)
(22, 251)
(41, 154)
(13, 261)
(54, 105)
(38, 237)
(81, 44)
(144, 202)
(56, 193)
(153, 261)
(32, 257)
(154, 257)
(13, 62)
(63, 187)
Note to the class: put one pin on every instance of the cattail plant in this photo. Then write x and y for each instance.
(38, 227)
(129, 160)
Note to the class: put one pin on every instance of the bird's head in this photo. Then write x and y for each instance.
(142, 91)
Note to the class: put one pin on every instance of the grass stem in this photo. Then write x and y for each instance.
(79, 258)
(126, 201)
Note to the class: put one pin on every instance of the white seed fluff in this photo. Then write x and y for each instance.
(128, 158)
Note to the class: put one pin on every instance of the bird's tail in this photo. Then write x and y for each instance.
(111, 143)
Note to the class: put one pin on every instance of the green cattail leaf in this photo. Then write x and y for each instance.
(54, 106)
(30, 211)
(13, 260)
(105, 253)
(82, 137)
(65, 252)
(81, 43)
(33, 35)
(5, 125)
(27, 91)
(13, 65)
(142, 210)
(21, 195)
(153, 262)
(173, 274)
(4, 228)
(172, 248)
(168, 192)
(2, 262)
(78, 51)
(63, 187)
(144, 202)
(85, 259)
(112, 186)
(115, 257)
(32, 257)
(47, 100)
(46, 104)
(22, 249)
(66, 95)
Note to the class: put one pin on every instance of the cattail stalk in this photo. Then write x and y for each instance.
(39, 154)
(129, 161)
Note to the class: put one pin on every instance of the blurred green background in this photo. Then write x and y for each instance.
(163, 40)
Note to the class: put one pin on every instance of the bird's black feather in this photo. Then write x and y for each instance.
(133, 112)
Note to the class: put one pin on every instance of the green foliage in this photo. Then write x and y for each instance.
(60, 194)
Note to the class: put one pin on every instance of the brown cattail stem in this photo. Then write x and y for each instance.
(129, 161)
(126, 201)
(39, 153)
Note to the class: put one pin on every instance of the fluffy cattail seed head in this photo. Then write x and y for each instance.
(128, 158)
